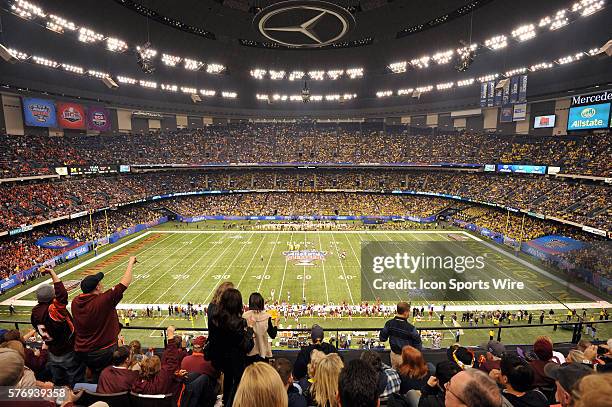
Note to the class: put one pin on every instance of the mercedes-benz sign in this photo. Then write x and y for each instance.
(304, 24)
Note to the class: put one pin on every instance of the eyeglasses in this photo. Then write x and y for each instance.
(447, 387)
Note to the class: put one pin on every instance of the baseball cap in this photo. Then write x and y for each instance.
(199, 341)
(567, 375)
(45, 293)
(12, 367)
(89, 283)
(316, 332)
(495, 347)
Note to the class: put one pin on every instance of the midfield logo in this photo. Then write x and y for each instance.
(304, 257)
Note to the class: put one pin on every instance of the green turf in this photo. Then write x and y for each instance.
(178, 267)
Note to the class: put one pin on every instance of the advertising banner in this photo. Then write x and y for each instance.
(39, 112)
(71, 116)
(55, 242)
(521, 169)
(98, 118)
(506, 114)
(520, 112)
(589, 117)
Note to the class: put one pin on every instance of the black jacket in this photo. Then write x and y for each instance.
(400, 333)
(300, 367)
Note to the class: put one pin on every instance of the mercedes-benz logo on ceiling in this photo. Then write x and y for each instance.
(304, 24)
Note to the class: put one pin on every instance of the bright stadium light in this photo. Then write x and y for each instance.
(349, 96)
(331, 98)
(540, 66)
(116, 45)
(422, 62)
(170, 60)
(384, 93)
(277, 75)
(148, 84)
(229, 95)
(398, 67)
(335, 74)
(59, 24)
(557, 21)
(295, 98)
(168, 87)
(524, 32)
(445, 86)
(258, 73)
(89, 36)
(424, 89)
(316, 75)
(405, 92)
(587, 7)
(45, 62)
(570, 58)
(126, 79)
(214, 68)
(354, 73)
(207, 92)
(26, 9)
(296, 75)
(442, 58)
(192, 64)
(515, 71)
(262, 97)
(497, 42)
(97, 74)
(593, 51)
(186, 89)
(465, 82)
(22, 56)
(487, 78)
(73, 69)
(315, 98)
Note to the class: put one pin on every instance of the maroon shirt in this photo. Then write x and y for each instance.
(195, 363)
(54, 323)
(165, 381)
(115, 380)
(95, 319)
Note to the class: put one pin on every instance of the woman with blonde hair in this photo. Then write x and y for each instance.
(260, 386)
(323, 390)
(305, 382)
(594, 390)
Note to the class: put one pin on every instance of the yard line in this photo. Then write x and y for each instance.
(169, 269)
(358, 262)
(323, 265)
(344, 274)
(246, 270)
(190, 268)
(267, 264)
(280, 292)
(210, 267)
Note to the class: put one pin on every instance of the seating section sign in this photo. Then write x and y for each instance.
(39, 112)
(71, 116)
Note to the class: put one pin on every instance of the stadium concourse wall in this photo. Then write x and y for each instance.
(83, 248)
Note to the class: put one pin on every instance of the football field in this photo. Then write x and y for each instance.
(180, 264)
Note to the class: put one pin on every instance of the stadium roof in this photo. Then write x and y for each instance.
(385, 51)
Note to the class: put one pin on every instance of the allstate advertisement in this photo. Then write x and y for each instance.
(39, 112)
(71, 116)
(589, 117)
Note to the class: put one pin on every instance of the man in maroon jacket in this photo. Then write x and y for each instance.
(96, 321)
(54, 324)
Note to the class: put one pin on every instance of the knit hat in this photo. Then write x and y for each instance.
(89, 283)
(199, 341)
(461, 356)
(12, 367)
(543, 349)
(45, 293)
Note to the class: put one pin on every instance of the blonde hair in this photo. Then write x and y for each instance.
(594, 390)
(315, 357)
(150, 367)
(220, 290)
(325, 386)
(261, 385)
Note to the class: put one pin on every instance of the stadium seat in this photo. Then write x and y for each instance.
(120, 399)
(151, 400)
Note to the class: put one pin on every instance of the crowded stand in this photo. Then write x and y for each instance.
(577, 201)
(299, 143)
